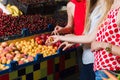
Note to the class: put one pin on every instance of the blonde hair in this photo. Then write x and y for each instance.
(89, 9)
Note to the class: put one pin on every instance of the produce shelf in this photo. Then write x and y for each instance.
(54, 67)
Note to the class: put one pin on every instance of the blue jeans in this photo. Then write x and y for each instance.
(100, 74)
(87, 72)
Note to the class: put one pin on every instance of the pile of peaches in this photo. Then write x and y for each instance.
(25, 50)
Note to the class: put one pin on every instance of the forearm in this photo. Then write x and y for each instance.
(76, 39)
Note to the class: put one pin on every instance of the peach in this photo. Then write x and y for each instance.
(4, 44)
(9, 56)
(9, 49)
(30, 58)
(5, 51)
(21, 62)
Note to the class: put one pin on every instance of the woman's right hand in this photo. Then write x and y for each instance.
(56, 30)
(65, 45)
(52, 39)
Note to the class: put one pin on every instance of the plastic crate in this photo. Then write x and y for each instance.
(43, 68)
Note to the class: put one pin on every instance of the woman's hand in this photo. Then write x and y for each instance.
(56, 30)
(95, 45)
(52, 39)
(65, 45)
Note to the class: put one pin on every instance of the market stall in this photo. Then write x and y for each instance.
(23, 53)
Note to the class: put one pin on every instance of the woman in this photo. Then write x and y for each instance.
(105, 42)
(98, 11)
(87, 58)
(106, 47)
(76, 10)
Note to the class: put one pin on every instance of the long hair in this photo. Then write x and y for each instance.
(90, 8)
(106, 10)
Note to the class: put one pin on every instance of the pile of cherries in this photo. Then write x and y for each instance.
(13, 25)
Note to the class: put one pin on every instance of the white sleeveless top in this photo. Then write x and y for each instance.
(88, 56)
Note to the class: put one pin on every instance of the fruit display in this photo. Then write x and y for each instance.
(13, 10)
(10, 25)
(31, 48)
(24, 51)
(10, 52)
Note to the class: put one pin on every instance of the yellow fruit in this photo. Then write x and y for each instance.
(8, 5)
(20, 12)
(15, 14)
(16, 10)
(10, 10)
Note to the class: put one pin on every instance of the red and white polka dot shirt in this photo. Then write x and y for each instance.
(109, 32)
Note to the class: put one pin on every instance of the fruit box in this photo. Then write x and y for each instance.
(36, 8)
(25, 33)
(53, 67)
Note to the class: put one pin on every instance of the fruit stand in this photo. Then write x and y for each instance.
(23, 53)
(59, 65)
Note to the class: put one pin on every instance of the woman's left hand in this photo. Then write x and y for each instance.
(95, 45)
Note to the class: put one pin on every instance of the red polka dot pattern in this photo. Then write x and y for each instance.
(108, 32)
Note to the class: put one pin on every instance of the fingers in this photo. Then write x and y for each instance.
(56, 30)
(61, 45)
(55, 33)
(65, 48)
(49, 41)
(65, 45)
(52, 40)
